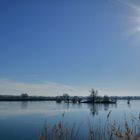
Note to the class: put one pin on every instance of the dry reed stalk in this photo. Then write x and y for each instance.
(110, 131)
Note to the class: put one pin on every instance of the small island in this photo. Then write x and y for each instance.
(94, 98)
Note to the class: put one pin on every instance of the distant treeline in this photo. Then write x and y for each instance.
(126, 97)
(26, 97)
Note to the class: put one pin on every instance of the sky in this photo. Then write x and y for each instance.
(51, 47)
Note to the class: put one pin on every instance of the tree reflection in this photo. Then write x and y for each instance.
(129, 105)
(96, 108)
(24, 105)
(93, 109)
(106, 107)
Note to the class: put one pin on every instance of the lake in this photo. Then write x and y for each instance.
(26, 120)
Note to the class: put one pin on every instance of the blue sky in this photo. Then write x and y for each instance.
(70, 46)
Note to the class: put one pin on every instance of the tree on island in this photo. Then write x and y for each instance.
(93, 94)
(106, 98)
(24, 95)
(66, 97)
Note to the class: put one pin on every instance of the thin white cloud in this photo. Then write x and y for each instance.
(9, 87)
(130, 4)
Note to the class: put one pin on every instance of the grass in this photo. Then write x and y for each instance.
(111, 130)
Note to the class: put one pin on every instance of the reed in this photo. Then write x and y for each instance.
(110, 130)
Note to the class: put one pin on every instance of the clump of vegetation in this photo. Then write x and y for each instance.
(129, 130)
(111, 130)
(60, 131)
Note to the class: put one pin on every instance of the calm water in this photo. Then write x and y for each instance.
(25, 120)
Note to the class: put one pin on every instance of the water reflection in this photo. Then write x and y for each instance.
(93, 109)
(96, 108)
(24, 113)
(129, 105)
(24, 104)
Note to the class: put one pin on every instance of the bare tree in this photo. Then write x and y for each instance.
(66, 97)
(93, 94)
